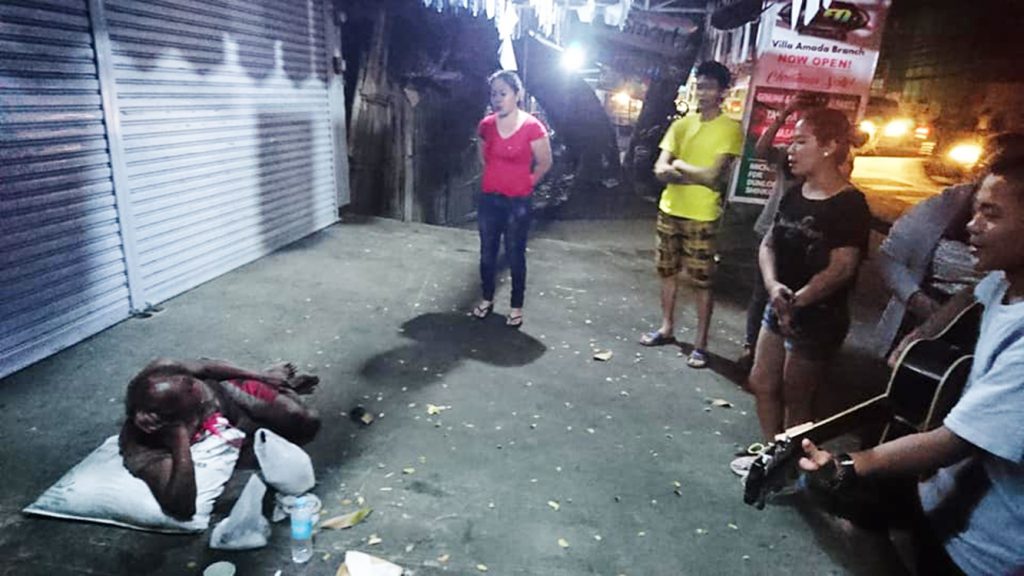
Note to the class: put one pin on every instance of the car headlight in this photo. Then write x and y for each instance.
(965, 153)
(869, 127)
(897, 128)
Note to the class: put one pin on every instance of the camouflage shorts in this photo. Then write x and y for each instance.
(686, 244)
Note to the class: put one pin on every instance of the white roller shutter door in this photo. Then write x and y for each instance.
(62, 268)
(149, 146)
(226, 128)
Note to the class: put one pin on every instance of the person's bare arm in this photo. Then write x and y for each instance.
(842, 267)
(780, 295)
(764, 142)
(207, 369)
(665, 172)
(173, 480)
(913, 455)
(541, 148)
(709, 176)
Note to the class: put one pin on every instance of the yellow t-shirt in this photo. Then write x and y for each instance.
(698, 143)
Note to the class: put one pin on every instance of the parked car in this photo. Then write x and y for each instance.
(892, 133)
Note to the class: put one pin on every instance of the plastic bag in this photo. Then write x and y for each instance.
(245, 528)
(285, 467)
(283, 505)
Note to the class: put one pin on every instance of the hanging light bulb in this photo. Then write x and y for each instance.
(573, 58)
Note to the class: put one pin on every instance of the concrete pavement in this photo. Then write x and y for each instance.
(892, 185)
(377, 309)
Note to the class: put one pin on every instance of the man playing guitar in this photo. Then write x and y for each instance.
(972, 467)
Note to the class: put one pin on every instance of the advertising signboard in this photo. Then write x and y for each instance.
(832, 57)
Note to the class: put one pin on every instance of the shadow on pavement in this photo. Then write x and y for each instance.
(441, 341)
(724, 367)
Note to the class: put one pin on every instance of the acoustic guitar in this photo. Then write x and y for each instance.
(927, 381)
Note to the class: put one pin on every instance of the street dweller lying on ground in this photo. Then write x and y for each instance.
(171, 404)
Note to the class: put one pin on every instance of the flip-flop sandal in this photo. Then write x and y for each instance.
(515, 322)
(480, 312)
(697, 359)
(656, 338)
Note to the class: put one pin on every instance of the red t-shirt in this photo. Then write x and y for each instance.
(508, 161)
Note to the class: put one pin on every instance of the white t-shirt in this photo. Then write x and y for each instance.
(977, 505)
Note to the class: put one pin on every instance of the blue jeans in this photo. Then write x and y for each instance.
(500, 216)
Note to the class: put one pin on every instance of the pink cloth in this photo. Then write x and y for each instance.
(256, 389)
(508, 161)
(214, 425)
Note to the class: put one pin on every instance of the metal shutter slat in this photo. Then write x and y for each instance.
(227, 138)
(62, 269)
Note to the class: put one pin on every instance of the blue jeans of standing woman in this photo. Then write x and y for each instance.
(500, 216)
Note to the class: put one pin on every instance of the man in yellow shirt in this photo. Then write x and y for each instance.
(696, 156)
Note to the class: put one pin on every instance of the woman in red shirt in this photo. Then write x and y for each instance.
(515, 153)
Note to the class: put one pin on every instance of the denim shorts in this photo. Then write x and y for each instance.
(819, 331)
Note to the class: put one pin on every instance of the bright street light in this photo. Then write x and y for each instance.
(573, 58)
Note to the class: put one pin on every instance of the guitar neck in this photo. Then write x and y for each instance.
(840, 423)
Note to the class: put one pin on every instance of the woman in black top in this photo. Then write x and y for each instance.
(809, 260)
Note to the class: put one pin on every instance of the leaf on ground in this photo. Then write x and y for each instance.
(434, 409)
(733, 526)
(603, 355)
(347, 520)
(721, 403)
(408, 471)
(481, 567)
(443, 558)
(563, 542)
(554, 505)
(374, 540)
